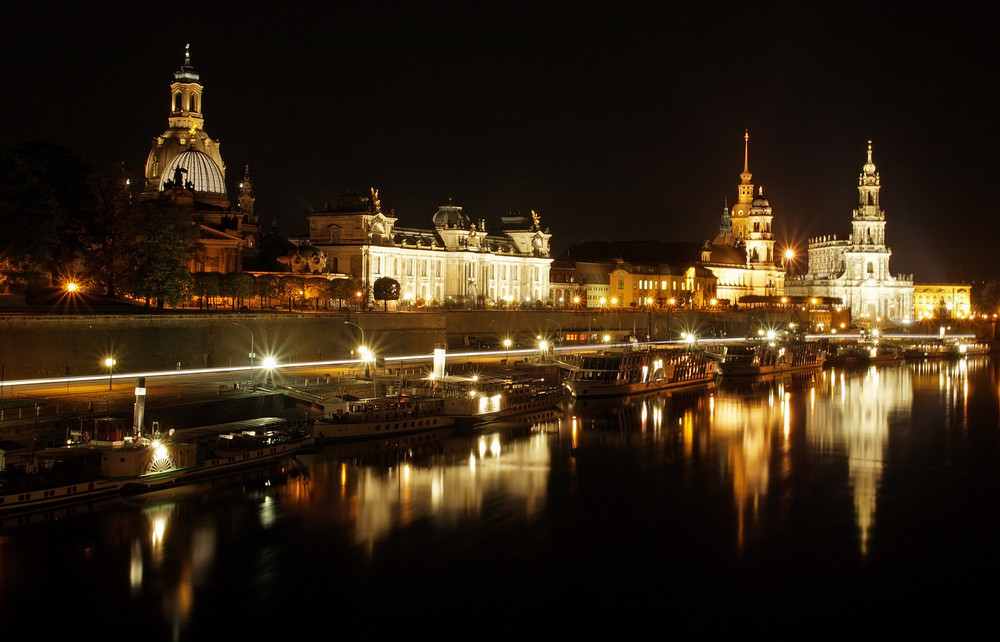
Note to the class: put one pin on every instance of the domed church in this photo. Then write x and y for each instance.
(185, 165)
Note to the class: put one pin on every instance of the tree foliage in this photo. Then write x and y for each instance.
(343, 290)
(45, 205)
(987, 298)
(386, 289)
(237, 286)
(158, 254)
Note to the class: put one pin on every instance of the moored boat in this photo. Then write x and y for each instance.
(380, 417)
(771, 358)
(480, 400)
(109, 461)
(946, 348)
(863, 354)
(636, 371)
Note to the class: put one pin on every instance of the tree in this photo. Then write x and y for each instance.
(111, 228)
(158, 256)
(386, 289)
(266, 286)
(987, 298)
(291, 287)
(317, 288)
(205, 285)
(237, 286)
(342, 289)
(45, 205)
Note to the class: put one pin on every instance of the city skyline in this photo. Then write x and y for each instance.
(611, 124)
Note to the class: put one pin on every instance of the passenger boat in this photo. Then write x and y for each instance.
(380, 417)
(771, 358)
(109, 461)
(947, 348)
(635, 371)
(480, 400)
(863, 354)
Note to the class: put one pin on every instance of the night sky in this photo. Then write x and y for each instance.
(613, 121)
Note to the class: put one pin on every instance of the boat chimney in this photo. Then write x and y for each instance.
(439, 358)
(140, 408)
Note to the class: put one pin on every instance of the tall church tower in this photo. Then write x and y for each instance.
(868, 255)
(184, 156)
(744, 195)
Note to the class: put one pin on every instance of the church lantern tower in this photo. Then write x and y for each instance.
(184, 156)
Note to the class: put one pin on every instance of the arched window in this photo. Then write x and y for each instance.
(871, 268)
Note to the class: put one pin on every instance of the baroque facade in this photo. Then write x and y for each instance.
(856, 269)
(456, 260)
(185, 165)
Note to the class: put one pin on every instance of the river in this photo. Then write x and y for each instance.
(859, 501)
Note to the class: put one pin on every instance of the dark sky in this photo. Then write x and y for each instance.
(613, 121)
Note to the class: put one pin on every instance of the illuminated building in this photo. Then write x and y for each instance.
(186, 166)
(646, 285)
(742, 255)
(942, 300)
(457, 260)
(856, 269)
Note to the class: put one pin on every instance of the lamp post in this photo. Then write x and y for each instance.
(252, 354)
(363, 349)
(506, 344)
(110, 363)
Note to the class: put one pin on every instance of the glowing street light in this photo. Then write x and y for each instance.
(110, 363)
(269, 363)
(506, 345)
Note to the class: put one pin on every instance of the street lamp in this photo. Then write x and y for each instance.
(252, 355)
(506, 344)
(363, 348)
(110, 363)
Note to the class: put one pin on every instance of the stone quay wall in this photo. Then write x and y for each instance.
(38, 346)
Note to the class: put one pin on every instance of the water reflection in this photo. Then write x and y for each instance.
(449, 480)
(813, 486)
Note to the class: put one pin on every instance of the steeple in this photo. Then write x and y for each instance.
(726, 226)
(246, 197)
(746, 175)
(744, 194)
(185, 98)
(869, 185)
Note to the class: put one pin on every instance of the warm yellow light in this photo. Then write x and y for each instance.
(72, 287)
(269, 362)
(789, 254)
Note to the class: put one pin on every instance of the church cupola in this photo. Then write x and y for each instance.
(184, 156)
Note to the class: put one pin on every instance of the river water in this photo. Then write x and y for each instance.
(861, 501)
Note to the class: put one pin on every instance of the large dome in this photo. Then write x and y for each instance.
(201, 172)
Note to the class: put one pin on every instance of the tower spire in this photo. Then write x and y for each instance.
(746, 151)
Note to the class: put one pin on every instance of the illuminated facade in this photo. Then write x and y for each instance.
(742, 255)
(185, 165)
(856, 269)
(942, 300)
(456, 260)
(662, 285)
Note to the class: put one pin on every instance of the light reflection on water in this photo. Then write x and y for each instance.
(774, 488)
